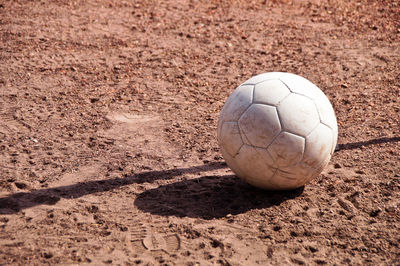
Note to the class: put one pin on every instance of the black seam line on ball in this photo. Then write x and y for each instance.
(314, 129)
(244, 112)
(252, 94)
(285, 85)
(308, 97)
(274, 139)
(323, 123)
(237, 153)
(241, 131)
(267, 104)
(319, 114)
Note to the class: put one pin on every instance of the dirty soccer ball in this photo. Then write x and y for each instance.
(277, 131)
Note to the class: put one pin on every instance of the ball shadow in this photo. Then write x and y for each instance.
(209, 197)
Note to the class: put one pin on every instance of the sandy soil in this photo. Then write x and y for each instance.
(108, 113)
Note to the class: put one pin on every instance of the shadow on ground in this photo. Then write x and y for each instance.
(209, 197)
(50, 196)
(206, 197)
(356, 145)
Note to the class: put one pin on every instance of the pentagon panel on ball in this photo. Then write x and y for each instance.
(260, 124)
(277, 131)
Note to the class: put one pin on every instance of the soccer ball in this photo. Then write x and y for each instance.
(277, 131)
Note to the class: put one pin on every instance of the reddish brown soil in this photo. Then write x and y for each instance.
(108, 113)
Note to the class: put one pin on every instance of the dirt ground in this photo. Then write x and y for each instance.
(108, 114)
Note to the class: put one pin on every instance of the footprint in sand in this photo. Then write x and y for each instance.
(133, 130)
(140, 133)
(8, 121)
(167, 243)
(142, 240)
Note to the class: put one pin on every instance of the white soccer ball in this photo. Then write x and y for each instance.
(277, 131)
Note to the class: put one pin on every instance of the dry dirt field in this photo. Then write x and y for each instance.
(108, 114)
